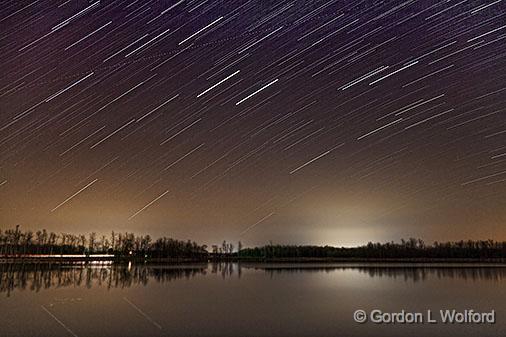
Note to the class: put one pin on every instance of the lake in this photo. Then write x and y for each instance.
(230, 299)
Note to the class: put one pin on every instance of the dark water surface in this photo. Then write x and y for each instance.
(242, 300)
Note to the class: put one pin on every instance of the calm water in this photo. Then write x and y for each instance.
(241, 300)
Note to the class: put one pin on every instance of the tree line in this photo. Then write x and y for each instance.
(15, 242)
(411, 248)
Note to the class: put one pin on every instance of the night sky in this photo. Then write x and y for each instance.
(324, 122)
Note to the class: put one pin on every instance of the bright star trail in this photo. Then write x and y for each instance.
(350, 121)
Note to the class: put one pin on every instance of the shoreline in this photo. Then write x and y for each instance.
(246, 260)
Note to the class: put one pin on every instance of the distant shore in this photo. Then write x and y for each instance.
(126, 259)
(43, 246)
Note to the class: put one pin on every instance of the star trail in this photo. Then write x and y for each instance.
(327, 122)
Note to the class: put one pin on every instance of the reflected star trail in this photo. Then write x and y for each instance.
(326, 122)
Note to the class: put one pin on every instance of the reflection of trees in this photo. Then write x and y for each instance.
(415, 273)
(37, 276)
(423, 273)
(34, 277)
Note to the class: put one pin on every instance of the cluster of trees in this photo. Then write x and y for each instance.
(15, 242)
(412, 248)
(226, 248)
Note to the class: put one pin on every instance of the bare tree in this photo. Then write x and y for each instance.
(92, 241)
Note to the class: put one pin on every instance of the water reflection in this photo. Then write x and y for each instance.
(422, 274)
(34, 277)
(407, 273)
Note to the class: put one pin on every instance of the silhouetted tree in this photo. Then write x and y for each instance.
(239, 248)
